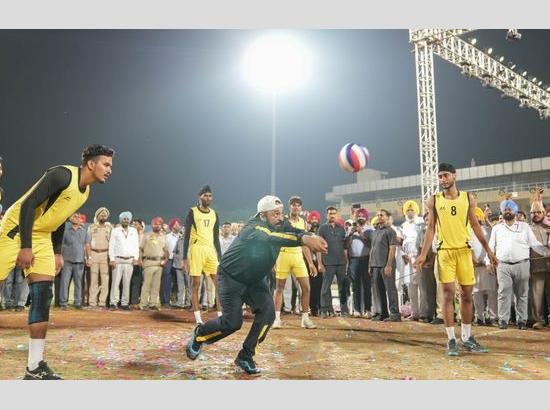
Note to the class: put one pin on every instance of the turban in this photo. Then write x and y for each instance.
(173, 221)
(156, 220)
(83, 218)
(445, 167)
(100, 211)
(125, 214)
(374, 221)
(314, 214)
(508, 203)
(537, 206)
(479, 213)
(411, 205)
(362, 213)
(204, 190)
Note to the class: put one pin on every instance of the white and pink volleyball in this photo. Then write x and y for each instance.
(353, 157)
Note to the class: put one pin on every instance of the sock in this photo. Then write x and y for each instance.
(278, 315)
(450, 332)
(305, 316)
(197, 316)
(466, 331)
(219, 313)
(36, 352)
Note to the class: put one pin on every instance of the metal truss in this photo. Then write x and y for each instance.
(475, 63)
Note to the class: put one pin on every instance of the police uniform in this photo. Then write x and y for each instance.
(98, 239)
(291, 259)
(153, 248)
(454, 256)
(56, 199)
(201, 243)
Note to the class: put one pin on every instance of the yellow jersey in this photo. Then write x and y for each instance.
(203, 228)
(51, 213)
(453, 225)
(299, 224)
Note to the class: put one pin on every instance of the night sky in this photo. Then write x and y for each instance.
(176, 108)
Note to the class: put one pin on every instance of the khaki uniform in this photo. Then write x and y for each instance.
(153, 247)
(98, 239)
(539, 281)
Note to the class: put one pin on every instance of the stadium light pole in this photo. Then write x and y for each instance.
(276, 63)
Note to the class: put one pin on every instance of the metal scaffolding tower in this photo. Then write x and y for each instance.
(474, 63)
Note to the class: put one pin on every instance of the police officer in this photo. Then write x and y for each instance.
(242, 279)
(153, 256)
(97, 249)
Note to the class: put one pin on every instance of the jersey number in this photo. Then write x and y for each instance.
(453, 210)
(206, 223)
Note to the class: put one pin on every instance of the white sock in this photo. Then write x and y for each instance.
(305, 315)
(450, 332)
(466, 331)
(36, 352)
(219, 313)
(278, 315)
(197, 316)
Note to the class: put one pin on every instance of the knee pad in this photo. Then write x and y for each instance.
(41, 298)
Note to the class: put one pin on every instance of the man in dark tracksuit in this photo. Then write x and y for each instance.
(242, 278)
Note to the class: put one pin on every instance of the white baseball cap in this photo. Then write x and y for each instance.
(269, 203)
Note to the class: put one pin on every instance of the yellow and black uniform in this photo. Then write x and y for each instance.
(291, 259)
(201, 243)
(454, 256)
(37, 220)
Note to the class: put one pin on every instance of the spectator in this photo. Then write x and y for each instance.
(123, 255)
(137, 272)
(333, 263)
(16, 290)
(511, 241)
(153, 256)
(227, 237)
(168, 269)
(315, 282)
(97, 250)
(382, 270)
(182, 277)
(428, 282)
(521, 216)
(73, 251)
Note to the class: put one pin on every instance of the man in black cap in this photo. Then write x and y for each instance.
(453, 211)
(201, 247)
(242, 279)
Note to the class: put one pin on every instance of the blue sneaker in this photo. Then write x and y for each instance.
(247, 364)
(194, 348)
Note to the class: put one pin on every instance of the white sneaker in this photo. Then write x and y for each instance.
(308, 323)
(200, 322)
(368, 315)
(277, 324)
(356, 314)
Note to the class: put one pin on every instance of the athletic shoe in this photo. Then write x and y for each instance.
(125, 307)
(472, 345)
(502, 325)
(307, 323)
(193, 347)
(452, 349)
(393, 318)
(324, 315)
(480, 322)
(277, 324)
(112, 307)
(367, 315)
(490, 322)
(42, 372)
(377, 318)
(522, 325)
(247, 364)
(356, 314)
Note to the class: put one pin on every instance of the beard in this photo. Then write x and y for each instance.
(508, 217)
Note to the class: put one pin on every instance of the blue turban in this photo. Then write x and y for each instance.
(125, 214)
(508, 203)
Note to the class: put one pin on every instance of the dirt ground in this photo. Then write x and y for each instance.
(105, 345)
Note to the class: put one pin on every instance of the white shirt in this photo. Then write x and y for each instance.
(512, 243)
(225, 242)
(410, 233)
(171, 241)
(478, 252)
(124, 243)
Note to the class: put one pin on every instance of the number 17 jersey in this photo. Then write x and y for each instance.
(452, 220)
(202, 231)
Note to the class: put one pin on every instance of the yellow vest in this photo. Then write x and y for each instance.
(453, 225)
(299, 224)
(202, 232)
(48, 219)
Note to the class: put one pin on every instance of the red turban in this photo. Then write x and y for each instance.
(362, 213)
(173, 222)
(156, 220)
(314, 214)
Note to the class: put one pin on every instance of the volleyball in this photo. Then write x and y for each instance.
(353, 157)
